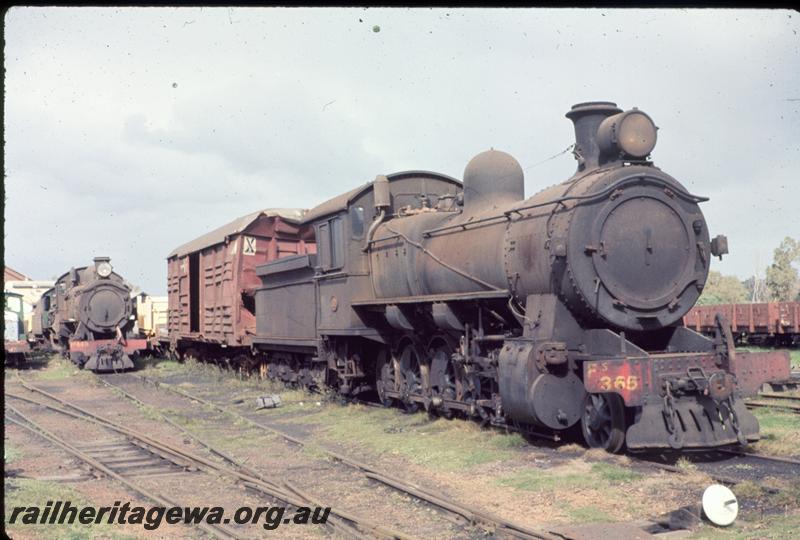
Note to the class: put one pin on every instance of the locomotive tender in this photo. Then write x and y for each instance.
(89, 314)
(556, 312)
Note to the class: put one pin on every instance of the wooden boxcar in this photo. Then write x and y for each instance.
(212, 281)
(772, 323)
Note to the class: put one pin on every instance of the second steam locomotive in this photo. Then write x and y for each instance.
(89, 314)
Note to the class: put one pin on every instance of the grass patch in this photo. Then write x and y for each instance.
(58, 368)
(614, 474)
(783, 527)
(685, 464)
(163, 367)
(209, 431)
(10, 453)
(30, 492)
(587, 514)
(780, 432)
(441, 444)
(575, 475)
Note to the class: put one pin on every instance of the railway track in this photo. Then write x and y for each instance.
(463, 513)
(737, 467)
(729, 477)
(291, 494)
(776, 400)
(346, 524)
(20, 419)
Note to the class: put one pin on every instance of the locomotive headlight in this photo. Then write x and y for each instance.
(104, 269)
(629, 134)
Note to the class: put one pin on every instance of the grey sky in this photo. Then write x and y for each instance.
(131, 131)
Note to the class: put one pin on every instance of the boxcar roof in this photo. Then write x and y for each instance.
(218, 236)
(339, 203)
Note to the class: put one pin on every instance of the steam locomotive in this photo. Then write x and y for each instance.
(89, 315)
(556, 313)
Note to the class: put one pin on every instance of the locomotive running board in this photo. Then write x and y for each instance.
(431, 298)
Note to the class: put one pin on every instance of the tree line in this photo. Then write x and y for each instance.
(781, 281)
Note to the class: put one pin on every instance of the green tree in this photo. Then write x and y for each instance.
(756, 289)
(782, 278)
(721, 289)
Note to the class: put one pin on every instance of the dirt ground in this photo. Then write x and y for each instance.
(542, 485)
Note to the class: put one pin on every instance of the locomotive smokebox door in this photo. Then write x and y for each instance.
(636, 255)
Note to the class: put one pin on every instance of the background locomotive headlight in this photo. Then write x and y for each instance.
(104, 269)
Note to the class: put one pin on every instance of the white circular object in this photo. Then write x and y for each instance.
(104, 269)
(720, 505)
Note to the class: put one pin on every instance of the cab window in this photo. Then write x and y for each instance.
(330, 244)
(357, 222)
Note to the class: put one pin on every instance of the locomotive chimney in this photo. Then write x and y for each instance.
(587, 118)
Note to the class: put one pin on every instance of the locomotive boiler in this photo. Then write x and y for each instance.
(556, 312)
(89, 315)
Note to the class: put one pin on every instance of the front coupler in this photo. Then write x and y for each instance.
(687, 400)
(107, 354)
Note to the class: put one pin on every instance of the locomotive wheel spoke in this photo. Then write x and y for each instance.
(412, 376)
(443, 376)
(384, 378)
(603, 421)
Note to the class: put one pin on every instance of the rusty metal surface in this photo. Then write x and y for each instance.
(89, 347)
(341, 202)
(211, 289)
(765, 318)
(630, 378)
(541, 312)
(753, 369)
(584, 240)
(17, 347)
(88, 312)
(235, 227)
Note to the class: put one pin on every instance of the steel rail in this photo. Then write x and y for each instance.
(475, 516)
(263, 486)
(434, 498)
(776, 395)
(777, 459)
(381, 531)
(778, 406)
(218, 531)
(254, 482)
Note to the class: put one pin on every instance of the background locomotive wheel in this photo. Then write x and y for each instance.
(79, 359)
(603, 421)
(411, 371)
(384, 378)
